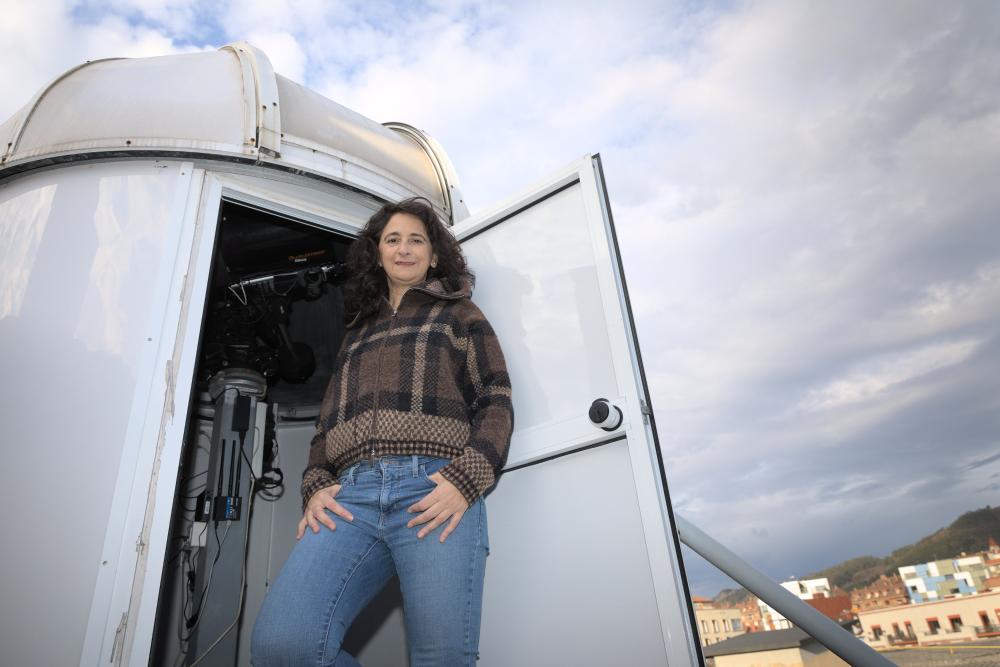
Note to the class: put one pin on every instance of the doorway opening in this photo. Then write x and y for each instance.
(273, 321)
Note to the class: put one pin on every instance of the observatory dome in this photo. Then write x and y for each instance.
(225, 105)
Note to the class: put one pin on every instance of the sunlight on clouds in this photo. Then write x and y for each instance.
(113, 38)
(295, 17)
(949, 298)
(536, 93)
(28, 41)
(876, 376)
(26, 38)
(283, 50)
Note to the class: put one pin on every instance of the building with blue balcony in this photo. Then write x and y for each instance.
(942, 579)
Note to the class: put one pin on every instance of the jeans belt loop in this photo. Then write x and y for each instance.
(416, 465)
(350, 474)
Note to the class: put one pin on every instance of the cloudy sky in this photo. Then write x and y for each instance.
(806, 196)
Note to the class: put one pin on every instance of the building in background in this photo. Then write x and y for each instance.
(807, 589)
(837, 607)
(716, 623)
(941, 579)
(782, 647)
(992, 559)
(804, 589)
(957, 619)
(750, 615)
(886, 591)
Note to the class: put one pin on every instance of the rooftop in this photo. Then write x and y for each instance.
(755, 642)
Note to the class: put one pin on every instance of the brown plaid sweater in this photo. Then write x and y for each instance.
(429, 379)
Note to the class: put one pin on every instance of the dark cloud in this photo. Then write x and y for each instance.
(828, 372)
(981, 462)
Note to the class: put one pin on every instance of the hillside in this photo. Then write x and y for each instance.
(968, 533)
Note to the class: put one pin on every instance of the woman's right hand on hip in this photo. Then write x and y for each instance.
(316, 511)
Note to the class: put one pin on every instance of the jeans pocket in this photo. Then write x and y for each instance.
(430, 467)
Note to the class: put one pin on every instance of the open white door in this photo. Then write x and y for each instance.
(585, 566)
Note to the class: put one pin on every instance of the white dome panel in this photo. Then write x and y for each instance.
(226, 104)
(195, 100)
(305, 114)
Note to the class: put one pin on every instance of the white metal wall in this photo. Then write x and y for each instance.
(568, 579)
(79, 250)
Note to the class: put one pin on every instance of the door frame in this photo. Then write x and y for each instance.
(123, 611)
(677, 619)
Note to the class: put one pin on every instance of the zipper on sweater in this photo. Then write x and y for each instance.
(378, 377)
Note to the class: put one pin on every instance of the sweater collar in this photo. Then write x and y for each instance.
(436, 289)
(432, 289)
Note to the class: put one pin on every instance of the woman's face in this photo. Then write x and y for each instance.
(405, 250)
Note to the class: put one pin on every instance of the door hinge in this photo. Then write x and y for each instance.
(139, 544)
(647, 412)
(119, 637)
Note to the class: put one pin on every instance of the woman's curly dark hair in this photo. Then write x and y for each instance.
(368, 282)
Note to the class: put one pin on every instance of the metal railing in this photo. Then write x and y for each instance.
(987, 630)
(827, 632)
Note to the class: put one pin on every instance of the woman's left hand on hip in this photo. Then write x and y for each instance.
(444, 503)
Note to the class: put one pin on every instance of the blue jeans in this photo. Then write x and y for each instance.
(331, 576)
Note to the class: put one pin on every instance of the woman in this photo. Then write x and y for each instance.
(413, 430)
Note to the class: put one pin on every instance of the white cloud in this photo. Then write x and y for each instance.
(41, 40)
(284, 51)
(950, 298)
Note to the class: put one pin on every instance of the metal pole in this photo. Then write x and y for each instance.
(824, 630)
